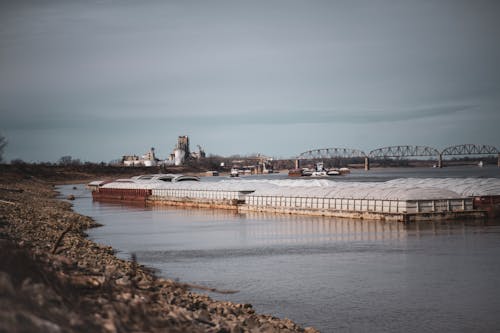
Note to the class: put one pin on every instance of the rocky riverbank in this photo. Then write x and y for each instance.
(53, 279)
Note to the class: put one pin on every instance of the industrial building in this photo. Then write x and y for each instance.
(179, 156)
(148, 159)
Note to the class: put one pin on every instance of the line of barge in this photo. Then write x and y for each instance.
(171, 190)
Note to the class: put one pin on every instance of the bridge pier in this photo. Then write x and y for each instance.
(498, 160)
(440, 161)
(297, 164)
(367, 163)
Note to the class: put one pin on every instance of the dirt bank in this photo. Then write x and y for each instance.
(53, 279)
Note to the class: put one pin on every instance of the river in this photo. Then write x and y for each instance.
(337, 275)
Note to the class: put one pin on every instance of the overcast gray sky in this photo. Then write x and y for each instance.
(100, 79)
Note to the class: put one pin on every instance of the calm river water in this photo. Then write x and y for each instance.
(334, 274)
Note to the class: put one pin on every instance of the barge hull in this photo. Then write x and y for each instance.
(380, 216)
(490, 203)
(193, 203)
(121, 195)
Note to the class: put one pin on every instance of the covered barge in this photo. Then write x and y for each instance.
(403, 200)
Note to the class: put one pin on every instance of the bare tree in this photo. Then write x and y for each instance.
(3, 143)
(65, 160)
(68, 160)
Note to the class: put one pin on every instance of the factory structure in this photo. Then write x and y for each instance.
(180, 154)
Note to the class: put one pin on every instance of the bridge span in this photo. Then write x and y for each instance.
(399, 152)
(325, 153)
(469, 149)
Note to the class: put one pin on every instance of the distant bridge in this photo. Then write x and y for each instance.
(470, 149)
(399, 152)
(331, 153)
(403, 151)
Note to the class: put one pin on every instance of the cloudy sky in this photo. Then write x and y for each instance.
(100, 79)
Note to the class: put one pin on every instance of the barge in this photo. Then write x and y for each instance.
(135, 189)
(398, 200)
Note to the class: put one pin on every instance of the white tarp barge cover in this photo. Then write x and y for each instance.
(397, 189)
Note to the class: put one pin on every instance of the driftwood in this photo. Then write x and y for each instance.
(61, 236)
(7, 202)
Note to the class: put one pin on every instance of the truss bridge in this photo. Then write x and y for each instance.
(331, 153)
(399, 152)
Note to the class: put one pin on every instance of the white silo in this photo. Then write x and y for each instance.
(179, 156)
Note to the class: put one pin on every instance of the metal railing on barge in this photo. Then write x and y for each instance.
(361, 205)
(199, 194)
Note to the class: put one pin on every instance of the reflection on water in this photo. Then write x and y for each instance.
(331, 273)
(286, 229)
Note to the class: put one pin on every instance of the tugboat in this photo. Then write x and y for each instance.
(320, 171)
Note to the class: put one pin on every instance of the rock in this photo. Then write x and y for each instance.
(123, 281)
(268, 328)
(87, 281)
(203, 315)
(212, 308)
(70, 197)
(109, 323)
(125, 296)
(251, 322)
(60, 260)
(6, 286)
(32, 323)
(226, 311)
(235, 328)
(110, 326)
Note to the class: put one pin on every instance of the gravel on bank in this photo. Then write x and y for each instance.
(53, 279)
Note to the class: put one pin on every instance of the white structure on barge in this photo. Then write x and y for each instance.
(397, 200)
